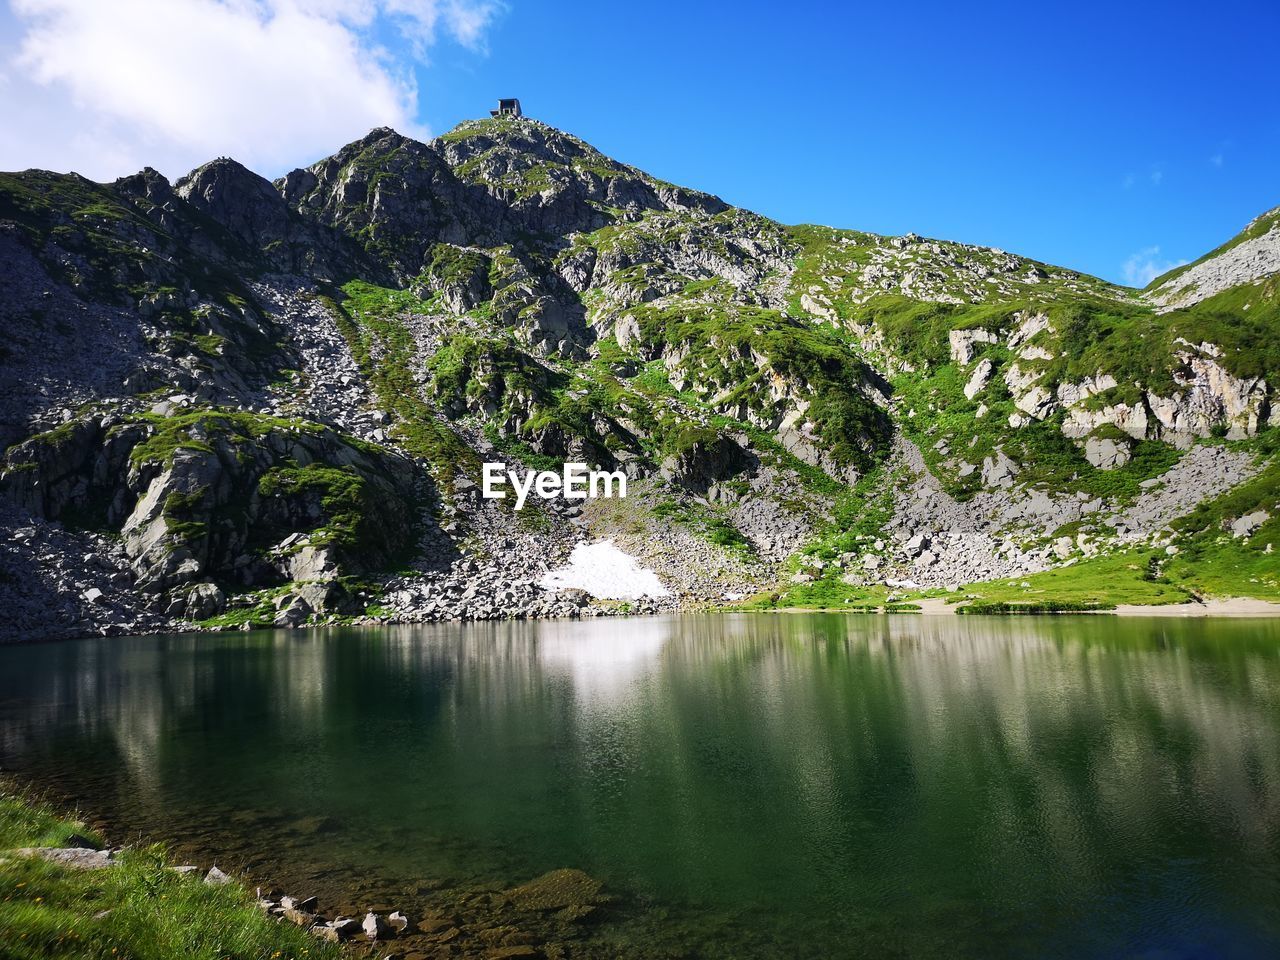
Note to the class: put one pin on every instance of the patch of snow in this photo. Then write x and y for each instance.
(606, 573)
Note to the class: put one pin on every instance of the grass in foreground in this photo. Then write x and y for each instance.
(138, 910)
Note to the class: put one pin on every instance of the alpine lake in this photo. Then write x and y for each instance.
(703, 785)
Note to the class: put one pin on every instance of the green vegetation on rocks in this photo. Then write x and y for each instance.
(348, 502)
(386, 354)
(1257, 228)
(733, 358)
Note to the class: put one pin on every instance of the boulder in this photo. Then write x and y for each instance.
(308, 561)
(1250, 522)
(338, 931)
(375, 928)
(915, 544)
(998, 470)
(574, 596)
(201, 601)
(77, 858)
(398, 922)
(301, 918)
(1106, 453)
(294, 613)
(964, 343)
(979, 379)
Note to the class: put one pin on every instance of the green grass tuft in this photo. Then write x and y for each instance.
(139, 909)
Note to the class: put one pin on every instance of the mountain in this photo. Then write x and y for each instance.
(230, 401)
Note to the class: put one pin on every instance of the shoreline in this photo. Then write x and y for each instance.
(1227, 608)
(1230, 608)
(1235, 607)
(466, 920)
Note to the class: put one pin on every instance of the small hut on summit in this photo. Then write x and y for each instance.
(507, 108)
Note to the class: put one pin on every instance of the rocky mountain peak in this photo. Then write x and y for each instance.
(149, 186)
(558, 183)
(241, 200)
(526, 141)
(146, 180)
(395, 196)
(214, 181)
(251, 210)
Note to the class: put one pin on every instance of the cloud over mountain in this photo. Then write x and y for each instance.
(102, 87)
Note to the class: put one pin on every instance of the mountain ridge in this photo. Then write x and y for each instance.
(507, 291)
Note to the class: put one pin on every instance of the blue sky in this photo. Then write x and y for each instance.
(1113, 138)
(1077, 133)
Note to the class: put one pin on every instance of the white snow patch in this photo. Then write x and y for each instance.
(606, 573)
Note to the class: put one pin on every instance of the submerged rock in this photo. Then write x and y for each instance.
(557, 890)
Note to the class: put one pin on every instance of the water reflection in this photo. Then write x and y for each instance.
(926, 786)
(603, 663)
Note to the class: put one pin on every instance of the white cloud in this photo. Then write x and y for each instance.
(1217, 159)
(106, 86)
(1157, 175)
(1145, 265)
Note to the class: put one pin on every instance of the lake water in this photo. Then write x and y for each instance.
(744, 785)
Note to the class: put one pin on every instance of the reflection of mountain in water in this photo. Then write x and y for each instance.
(800, 773)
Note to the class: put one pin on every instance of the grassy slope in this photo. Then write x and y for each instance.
(1128, 577)
(1256, 228)
(1088, 333)
(138, 910)
(1210, 562)
(1141, 577)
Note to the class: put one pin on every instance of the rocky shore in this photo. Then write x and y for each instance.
(553, 915)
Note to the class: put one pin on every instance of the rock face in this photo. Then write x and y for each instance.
(702, 462)
(1191, 395)
(216, 498)
(239, 402)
